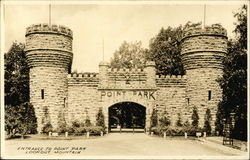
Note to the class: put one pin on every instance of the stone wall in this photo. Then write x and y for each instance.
(171, 97)
(86, 95)
(125, 78)
(54, 83)
(198, 88)
(82, 97)
(89, 91)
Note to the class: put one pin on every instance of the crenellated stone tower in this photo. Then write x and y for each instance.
(202, 53)
(49, 52)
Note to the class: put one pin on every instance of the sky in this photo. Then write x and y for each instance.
(112, 23)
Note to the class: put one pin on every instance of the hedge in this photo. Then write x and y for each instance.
(175, 131)
(93, 130)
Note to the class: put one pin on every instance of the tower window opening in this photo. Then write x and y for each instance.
(188, 101)
(209, 95)
(64, 100)
(42, 93)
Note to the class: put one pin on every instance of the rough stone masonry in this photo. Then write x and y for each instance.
(55, 90)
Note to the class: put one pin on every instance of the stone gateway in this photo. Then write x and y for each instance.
(55, 90)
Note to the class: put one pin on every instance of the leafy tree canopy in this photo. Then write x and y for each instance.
(241, 27)
(16, 77)
(234, 80)
(165, 50)
(129, 55)
(19, 114)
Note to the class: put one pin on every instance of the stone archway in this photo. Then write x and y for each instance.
(126, 115)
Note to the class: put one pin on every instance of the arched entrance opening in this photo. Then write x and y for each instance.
(127, 116)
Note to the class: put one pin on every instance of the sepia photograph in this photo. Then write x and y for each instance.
(124, 79)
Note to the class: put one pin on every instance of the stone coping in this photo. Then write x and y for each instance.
(46, 28)
(213, 30)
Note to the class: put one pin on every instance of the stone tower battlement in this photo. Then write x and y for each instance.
(214, 29)
(46, 28)
(49, 46)
(204, 47)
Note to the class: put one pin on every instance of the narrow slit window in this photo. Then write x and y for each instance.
(188, 101)
(64, 102)
(209, 95)
(42, 93)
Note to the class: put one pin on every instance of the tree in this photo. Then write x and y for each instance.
(20, 119)
(11, 120)
(47, 126)
(100, 119)
(179, 121)
(19, 114)
(165, 50)
(234, 79)
(241, 27)
(87, 122)
(154, 118)
(195, 118)
(219, 122)
(16, 76)
(129, 55)
(207, 121)
(62, 124)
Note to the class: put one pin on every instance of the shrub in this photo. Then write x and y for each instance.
(70, 130)
(81, 130)
(179, 121)
(87, 122)
(186, 124)
(169, 130)
(154, 118)
(207, 118)
(75, 124)
(159, 130)
(191, 130)
(47, 128)
(175, 131)
(94, 130)
(75, 127)
(100, 118)
(195, 117)
(62, 125)
(62, 129)
(164, 121)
